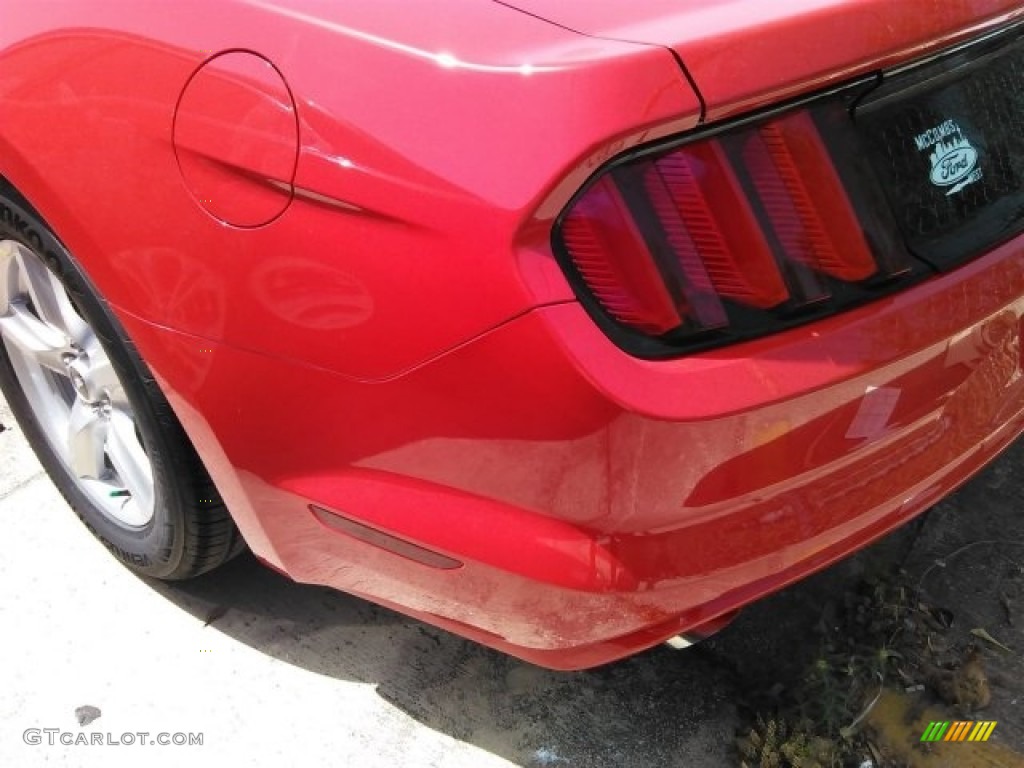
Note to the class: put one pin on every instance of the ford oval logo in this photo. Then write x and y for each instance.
(954, 166)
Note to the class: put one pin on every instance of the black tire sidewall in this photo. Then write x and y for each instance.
(156, 549)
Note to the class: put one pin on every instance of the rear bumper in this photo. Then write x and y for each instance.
(599, 503)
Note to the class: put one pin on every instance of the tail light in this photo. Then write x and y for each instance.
(731, 236)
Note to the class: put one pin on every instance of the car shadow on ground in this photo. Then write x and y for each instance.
(660, 708)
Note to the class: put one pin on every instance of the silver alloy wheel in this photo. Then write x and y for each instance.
(72, 389)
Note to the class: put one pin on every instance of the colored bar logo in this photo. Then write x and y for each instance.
(959, 730)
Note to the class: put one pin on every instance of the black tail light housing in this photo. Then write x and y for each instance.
(735, 232)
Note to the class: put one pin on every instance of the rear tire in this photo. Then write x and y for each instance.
(94, 415)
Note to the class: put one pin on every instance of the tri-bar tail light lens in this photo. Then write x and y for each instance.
(733, 235)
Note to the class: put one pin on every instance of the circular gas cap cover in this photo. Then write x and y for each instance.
(236, 137)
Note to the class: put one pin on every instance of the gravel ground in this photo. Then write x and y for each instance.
(274, 673)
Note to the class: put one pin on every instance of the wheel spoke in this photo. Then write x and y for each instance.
(72, 323)
(43, 331)
(41, 285)
(49, 297)
(10, 285)
(36, 340)
(129, 459)
(103, 378)
(87, 433)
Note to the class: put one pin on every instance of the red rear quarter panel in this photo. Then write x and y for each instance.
(428, 134)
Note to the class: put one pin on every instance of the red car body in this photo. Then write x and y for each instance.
(328, 227)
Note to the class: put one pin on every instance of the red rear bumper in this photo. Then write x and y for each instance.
(599, 503)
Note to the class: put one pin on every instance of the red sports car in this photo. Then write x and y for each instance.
(568, 327)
